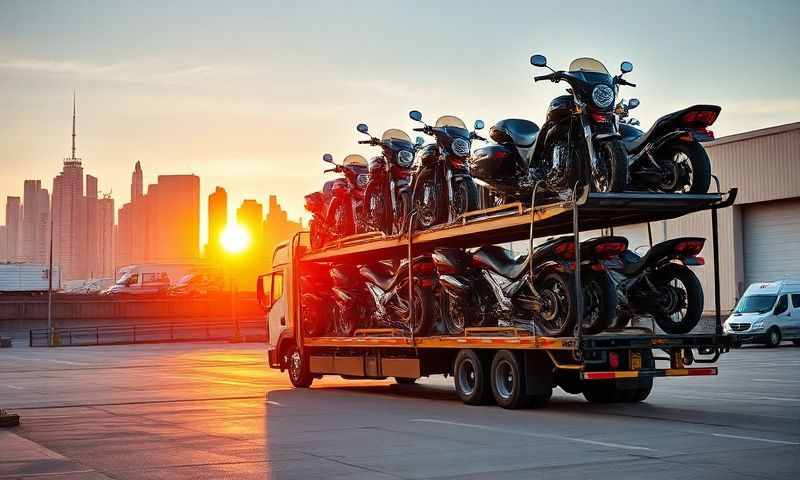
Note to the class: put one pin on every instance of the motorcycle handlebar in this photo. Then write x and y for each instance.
(364, 141)
(420, 129)
(555, 76)
(622, 81)
(329, 170)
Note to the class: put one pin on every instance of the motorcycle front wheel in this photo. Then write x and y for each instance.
(317, 234)
(686, 167)
(679, 300)
(465, 196)
(426, 200)
(453, 315)
(376, 210)
(342, 222)
(610, 172)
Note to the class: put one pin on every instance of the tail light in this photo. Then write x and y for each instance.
(500, 154)
(599, 117)
(613, 360)
(423, 268)
(701, 118)
(689, 248)
(565, 250)
(610, 249)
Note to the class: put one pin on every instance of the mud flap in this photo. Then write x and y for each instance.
(538, 373)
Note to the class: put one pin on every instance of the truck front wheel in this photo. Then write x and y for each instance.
(297, 364)
(471, 376)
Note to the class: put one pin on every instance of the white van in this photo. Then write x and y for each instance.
(768, 313)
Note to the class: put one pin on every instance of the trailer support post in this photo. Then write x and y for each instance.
(715, 245)
(576, 234)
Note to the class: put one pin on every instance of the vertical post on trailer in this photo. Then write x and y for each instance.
(411, 218)
(715, 244)
(650, 234)
(576, 237)
(295, 304)
(530, 254)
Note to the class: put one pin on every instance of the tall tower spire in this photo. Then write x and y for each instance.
(73, 124)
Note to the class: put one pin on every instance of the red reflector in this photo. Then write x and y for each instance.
(699, 118)
(689, 247)
(702, 371)
(565, 250)
(613, 360)
(598, 375)
(610, 249)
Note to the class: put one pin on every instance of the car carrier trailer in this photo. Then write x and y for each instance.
(520, 366)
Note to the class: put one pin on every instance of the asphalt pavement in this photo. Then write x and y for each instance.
(210, 411)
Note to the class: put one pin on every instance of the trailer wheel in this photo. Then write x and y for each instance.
(471, 377)
(297, 364)
(508, 381)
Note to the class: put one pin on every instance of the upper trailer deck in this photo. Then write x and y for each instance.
(513, 222)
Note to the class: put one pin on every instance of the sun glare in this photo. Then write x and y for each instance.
(234, 238)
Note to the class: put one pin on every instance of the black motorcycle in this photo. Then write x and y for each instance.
(388, 291)
(660, 284)
(579, 141)
(317, 203)
(669, 157)
(316, 299)
(353, 304)
(345, 211)
(442, 188)
(387, 197)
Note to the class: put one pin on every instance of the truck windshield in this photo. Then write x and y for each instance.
(755, 304)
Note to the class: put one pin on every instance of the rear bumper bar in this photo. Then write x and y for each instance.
(652, 372)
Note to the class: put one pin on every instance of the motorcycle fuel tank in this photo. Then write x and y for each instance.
(560, 108)
(428, 154)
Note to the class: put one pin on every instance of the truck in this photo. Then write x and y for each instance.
(509, 366)
(27, 278)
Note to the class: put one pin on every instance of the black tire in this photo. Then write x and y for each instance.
(431, 213)
(343, 322)
(453, 315)
(611, 172)
(773, 337)
(600, 301)
(297, 367)
(341, 221)
(508, 380)
(471, 378)
(317, 234)
(422, 309)
(400, 221)
(679, 156)
(689, 298)
(465, 196)
(557, 317)
(376, 212)
(405, 380)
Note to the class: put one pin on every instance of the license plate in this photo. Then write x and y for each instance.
(636, 361)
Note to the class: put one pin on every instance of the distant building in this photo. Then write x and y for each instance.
(35, 222)
(162, 225)
(137, 183)
(250, 215)
(3, 243)
(13, 228)
(277, 227)
(217, 220)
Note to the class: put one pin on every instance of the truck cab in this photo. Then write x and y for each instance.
(767, 313)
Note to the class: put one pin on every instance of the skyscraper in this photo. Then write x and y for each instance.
(277, 227)
(35, 222)
(217, 220)
(137, 183)
(13, 228)
(250, 215)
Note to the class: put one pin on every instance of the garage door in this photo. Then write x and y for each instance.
(771, 232)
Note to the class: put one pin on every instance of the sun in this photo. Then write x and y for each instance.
(234, 238)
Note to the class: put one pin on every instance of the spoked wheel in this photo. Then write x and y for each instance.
(600, 302)
(610, 172)
(471, 377)
(465, 197)
(679, 299)
(453, 314)
(426, 200)
(556, 315)
(685, 168)
(297, 365)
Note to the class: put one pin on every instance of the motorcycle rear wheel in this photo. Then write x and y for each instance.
(557, 317)
(600, 299)
(680, 299)
(610, 175)
(690, 157)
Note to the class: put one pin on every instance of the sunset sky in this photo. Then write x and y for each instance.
(249, 95)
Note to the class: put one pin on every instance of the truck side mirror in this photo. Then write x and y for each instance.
(262, 292)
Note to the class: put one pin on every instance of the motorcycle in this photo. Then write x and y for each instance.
(388, 291)
(353, 305)
(344, 215)
(669, 157)
(316, 299)
(544, 293)
(387, 197)
(442, 188)
(661, 284)
(579, 141)
(317, 203)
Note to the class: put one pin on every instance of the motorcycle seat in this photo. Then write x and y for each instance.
(522, 132)
(500, 261)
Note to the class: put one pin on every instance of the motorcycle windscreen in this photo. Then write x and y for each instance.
(396, 134)
(587, 64)
(354, 160)
(454, 126)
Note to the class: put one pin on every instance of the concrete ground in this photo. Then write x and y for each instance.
(210, 411)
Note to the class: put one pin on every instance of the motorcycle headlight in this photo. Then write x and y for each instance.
(405, 158)
(460, 147)
(603, 96)
(362, 180)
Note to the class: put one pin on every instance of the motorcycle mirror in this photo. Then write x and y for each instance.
(362, 128)
(633, 103)
(479, 125)
(539, 60)
(419, 141)
(415, 115)
(626, 67)
(327, 158)
(634, 122)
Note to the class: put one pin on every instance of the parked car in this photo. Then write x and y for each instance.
(197, 284)
(134, 282)
(767, 313)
